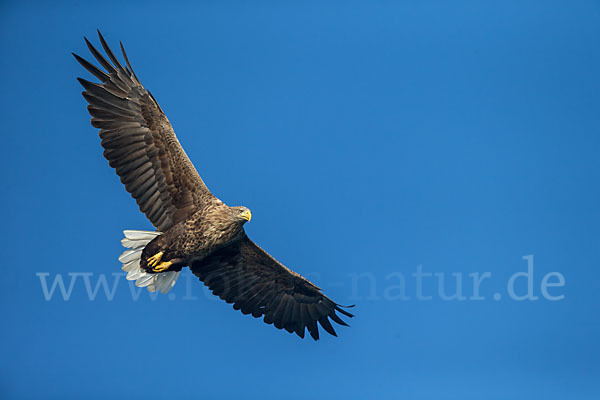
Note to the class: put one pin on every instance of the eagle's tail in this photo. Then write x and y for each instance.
(135, 241)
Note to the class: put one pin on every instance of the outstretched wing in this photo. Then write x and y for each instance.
(257, 284)
(139, 142)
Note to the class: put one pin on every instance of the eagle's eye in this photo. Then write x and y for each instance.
(245, 214)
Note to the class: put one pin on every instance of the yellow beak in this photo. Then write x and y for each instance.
(247, 215)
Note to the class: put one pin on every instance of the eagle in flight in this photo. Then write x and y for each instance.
(193, 227)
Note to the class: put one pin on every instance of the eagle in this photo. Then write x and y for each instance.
(193, 227)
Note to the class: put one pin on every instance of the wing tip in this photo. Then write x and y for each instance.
(340, 308)
(100, 35)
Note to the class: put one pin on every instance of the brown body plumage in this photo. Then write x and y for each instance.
(195, 228)
(207, 230)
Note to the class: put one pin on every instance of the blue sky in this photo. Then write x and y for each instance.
(371, 140)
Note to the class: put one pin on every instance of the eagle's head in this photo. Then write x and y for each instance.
(242, 214)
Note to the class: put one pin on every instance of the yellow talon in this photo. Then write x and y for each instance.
(162, 266)
(155, 259)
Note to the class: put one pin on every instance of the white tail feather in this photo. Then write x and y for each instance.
(135, 241)
(141, 235)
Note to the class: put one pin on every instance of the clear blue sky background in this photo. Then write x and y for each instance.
(367, 138)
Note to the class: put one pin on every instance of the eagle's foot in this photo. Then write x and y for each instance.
(155, 259)
(162, 266)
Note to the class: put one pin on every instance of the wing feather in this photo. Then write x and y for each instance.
(140, 143)
(247, 276)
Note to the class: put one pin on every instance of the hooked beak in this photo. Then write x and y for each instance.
(247, 215)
